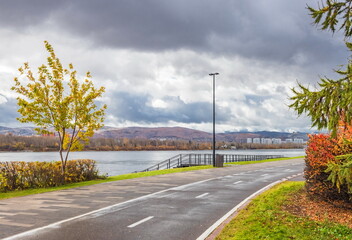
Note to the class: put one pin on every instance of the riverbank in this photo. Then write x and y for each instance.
(50, 143)
(161, 148)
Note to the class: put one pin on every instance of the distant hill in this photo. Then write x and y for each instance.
(181, 133)
(170, 133)
(23, 131)
(156, 133)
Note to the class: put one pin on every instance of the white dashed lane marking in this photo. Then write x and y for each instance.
(202, 195)
(140, 222)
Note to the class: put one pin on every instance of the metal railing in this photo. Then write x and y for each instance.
(194, 159)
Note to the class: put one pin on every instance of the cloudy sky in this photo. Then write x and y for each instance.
(154, 57)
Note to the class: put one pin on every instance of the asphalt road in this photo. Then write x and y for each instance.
(177, 206)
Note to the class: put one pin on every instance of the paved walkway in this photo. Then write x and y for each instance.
(25, 213)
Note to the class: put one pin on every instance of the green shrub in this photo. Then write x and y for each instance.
(24, 175)
(341, 172)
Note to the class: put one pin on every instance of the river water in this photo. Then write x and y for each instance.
(120, 162)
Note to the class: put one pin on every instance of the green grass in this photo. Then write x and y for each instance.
(266, 160)
(109, 179)
(264, 219)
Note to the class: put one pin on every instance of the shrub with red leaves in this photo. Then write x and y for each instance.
(321, 150)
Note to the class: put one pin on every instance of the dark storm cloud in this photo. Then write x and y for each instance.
(23, 14)
(133, 107)
(274, 30)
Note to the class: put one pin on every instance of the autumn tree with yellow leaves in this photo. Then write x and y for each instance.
(57, 102)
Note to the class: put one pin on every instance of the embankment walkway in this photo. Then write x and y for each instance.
(181, 196)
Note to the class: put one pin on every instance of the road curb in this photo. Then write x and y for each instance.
(216, 227)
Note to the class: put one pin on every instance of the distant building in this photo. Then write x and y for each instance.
(298, 140)
(256, 140)
(249, 140)
(276, 141)
(289, 140)
(266, 141)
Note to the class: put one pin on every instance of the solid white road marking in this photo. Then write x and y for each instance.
(98, 211)
(237, 182)
(104, 209)
(140, 222)
(167, 195)
(227, 215)
(202, 195)
(264, 175)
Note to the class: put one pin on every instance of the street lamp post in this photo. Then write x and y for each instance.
(213, 74)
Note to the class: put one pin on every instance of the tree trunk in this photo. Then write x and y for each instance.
(63, 167)
(63, 163)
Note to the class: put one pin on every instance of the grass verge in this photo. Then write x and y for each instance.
(264, 218)
(261, 161)
(109, 179)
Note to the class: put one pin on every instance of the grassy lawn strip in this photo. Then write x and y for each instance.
(266, 160)
(109, 179)
(264, 218)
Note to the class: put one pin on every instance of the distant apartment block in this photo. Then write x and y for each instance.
(276, 141)
(266, 141)
(297, 140)
(256, 140)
